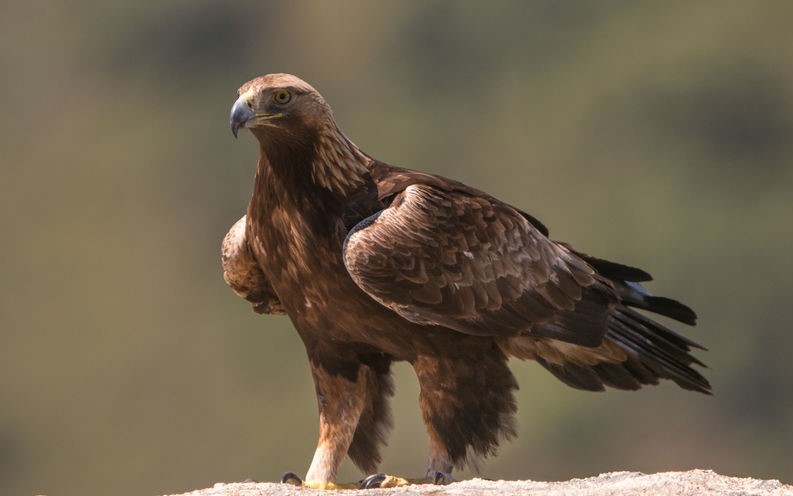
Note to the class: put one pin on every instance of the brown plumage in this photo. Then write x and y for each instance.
(375, 263)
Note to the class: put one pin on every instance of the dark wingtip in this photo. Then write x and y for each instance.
(615, 270)
(699, 385)
(671, 308)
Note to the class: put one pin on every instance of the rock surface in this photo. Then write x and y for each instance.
(693, 483)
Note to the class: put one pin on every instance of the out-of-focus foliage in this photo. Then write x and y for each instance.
(659, 134)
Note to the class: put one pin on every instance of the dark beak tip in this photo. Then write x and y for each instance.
(240, 114)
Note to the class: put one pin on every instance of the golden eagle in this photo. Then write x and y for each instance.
(375, 263)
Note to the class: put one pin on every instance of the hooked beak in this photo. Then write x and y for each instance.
(241, 113)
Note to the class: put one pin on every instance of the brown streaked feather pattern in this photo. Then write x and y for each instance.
(475, 265)
(338, 165)
(243, 274)
(391, 180)
(375, 263)
(375, 421)
(467, 407)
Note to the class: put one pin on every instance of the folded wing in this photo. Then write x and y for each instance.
(478, 266)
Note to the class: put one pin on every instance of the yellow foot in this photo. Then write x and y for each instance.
(292, 478)
(371, 482)
(328, 486)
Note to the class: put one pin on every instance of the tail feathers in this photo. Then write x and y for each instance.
(653, 331)
(596, 377)
(574, 375)
(636, 351)
(657, 348)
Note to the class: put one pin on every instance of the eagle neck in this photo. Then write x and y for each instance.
(283, 188)
(338, 164)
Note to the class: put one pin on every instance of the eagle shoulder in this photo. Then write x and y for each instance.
(242, 273)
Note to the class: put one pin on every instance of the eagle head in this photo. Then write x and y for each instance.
(294, 125)
(279, 104)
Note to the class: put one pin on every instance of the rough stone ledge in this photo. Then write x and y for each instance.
(693, 483)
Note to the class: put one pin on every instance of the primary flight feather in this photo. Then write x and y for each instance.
(375, 263)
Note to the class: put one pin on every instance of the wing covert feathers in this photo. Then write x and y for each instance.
(475, 265)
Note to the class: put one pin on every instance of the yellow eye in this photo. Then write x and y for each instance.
(282, 96)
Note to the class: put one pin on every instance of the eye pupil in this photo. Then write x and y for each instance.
(282, 96)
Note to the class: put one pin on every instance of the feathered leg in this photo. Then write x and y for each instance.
(341, 398)
(375, 420)
(353, 417)
(467, 404)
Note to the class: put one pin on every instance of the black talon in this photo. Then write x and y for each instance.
(440, 478)
(373, 481)
(291, 478)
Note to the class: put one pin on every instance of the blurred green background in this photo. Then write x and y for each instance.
(658, 134)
